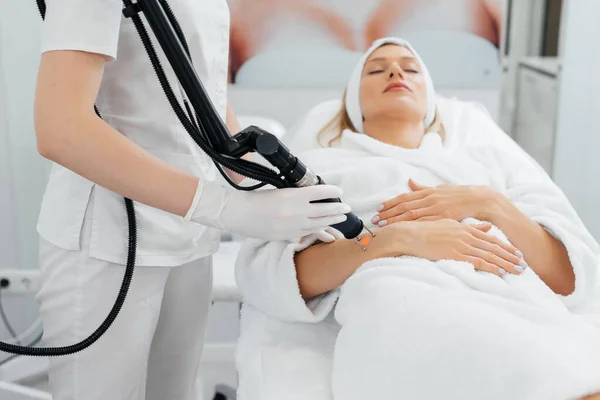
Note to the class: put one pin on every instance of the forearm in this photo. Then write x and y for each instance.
(324, 267)
(69, 133)
(91, 148)
(546, 255)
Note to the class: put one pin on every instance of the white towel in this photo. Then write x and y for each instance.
(413, 329)
(353, 87)
(416, 317)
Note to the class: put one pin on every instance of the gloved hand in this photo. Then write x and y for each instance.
(327, 235)
(275, 214)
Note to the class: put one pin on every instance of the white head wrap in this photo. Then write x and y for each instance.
(353, 88)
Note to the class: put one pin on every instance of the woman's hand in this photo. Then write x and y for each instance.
(426, 203)
(448, 239)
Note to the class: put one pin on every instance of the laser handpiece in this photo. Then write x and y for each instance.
(214, 136)
(293, 171)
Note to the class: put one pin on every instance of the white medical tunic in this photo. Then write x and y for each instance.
(132, 101)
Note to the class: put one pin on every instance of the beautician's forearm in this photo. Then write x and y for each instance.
(90, 147)
(546, 255)
(69, 133)
(324, 267)
(97, 152)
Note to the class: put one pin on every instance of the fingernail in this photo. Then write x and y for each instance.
(518, 254)
(382, 223)
(519, 269)
(501, 271)
(380, 207)
(375, 219)
(346, 209)
(523, 264)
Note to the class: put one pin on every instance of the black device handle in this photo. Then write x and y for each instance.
(295, 173)
(352, 226)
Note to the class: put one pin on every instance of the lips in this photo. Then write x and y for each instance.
(396, 86)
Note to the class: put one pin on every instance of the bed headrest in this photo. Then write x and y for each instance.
(303, 135)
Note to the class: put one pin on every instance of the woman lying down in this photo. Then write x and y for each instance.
(440, 305)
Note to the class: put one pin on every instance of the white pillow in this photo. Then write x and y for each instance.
(303, 135)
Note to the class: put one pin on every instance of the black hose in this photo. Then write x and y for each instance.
(242, 167)
(35, 341)
(112, 315)
(75, 348)
(263, 174)
(41, 4)
(197, 132)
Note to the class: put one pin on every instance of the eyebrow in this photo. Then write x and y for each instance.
(387, 58)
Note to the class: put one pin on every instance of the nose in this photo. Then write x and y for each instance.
(395, 69)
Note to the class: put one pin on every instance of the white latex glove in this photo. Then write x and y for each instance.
(327, 235)
(275, 214)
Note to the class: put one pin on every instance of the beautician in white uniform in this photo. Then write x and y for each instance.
(92, 54)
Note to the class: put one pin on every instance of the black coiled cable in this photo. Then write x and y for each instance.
(41, 4)
(179, 32)
(197, 131)
(112, 315)
(246, 168)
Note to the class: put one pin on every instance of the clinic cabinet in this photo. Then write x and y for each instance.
(537, 99)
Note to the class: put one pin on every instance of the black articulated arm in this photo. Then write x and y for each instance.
(291, 171)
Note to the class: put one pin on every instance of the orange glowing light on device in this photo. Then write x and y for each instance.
(364, 242)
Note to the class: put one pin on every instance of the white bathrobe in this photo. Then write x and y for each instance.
(414, 329)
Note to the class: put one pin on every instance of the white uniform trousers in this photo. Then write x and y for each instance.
(152, 350)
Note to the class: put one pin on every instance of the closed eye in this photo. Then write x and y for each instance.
(375, 72)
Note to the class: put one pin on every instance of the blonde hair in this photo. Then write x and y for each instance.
(341, 121)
